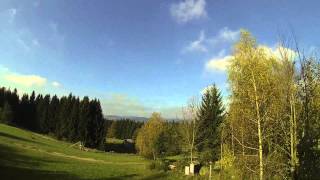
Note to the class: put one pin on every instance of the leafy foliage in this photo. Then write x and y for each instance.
(147, 141)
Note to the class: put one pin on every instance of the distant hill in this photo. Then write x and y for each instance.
(135, 118)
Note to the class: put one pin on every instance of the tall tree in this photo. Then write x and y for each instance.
(147, 136)
(6, 115)
(189, 128)
(53, 114)
(252, 82)
(210, 117)
(309, 133)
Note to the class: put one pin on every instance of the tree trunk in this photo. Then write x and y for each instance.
(293, 137)
(232, 142)
(192, 143)
(259, 127)
(260, 150)
(242, 141)
(154, 155)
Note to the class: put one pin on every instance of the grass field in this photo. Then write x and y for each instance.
(28, 155)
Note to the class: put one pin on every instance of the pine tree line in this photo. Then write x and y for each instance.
(67, 117)
(123, 129)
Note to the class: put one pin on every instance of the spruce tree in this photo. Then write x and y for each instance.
(6, 115)
(210, 116)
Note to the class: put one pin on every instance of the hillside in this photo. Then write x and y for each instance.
(28, 155)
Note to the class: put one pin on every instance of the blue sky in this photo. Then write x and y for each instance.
(138, 56)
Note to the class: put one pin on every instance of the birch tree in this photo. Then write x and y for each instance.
(148, 135)
(252, 96)
(189, 126)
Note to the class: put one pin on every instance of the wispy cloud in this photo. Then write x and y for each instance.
(198, 45)
(56, 84)
(205, 44)
(56, 37)
(12, 14)
(188, 10)
(121, 104)
(124, 105)
(225, 35)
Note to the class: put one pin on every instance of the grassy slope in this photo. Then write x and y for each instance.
(27, 155)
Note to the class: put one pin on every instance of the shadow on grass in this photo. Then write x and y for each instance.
(14, 165)
(18, 138)
(32, 174)
(124, 177)
(155, 176)
(135, 176)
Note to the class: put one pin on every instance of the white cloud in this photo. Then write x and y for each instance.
(221, 62)
(188, 10)
(218, 64)
(26, 80)
(26, 83)
(124, 105)
(55, 84)
(120, 104)
(225, 35)
(279, 52)
(197, 45)
(204, 44)
(228, 34)
(12, 14)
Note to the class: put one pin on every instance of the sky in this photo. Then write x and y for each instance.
(139, 56)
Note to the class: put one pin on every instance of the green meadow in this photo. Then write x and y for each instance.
(28, 155)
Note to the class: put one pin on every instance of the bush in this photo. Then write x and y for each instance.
(182, 163)
(152, 165)
(160, 165)
(204, 171)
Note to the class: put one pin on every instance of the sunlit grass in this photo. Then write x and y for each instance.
(27, 155)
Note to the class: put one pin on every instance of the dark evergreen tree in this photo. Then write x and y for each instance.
(31, 111)
(74, 120)
(210, 116)
(66, 118)
(95, 126)
(53, 112)
(43, 114)
(168, 141)
(6, 115)
(83, 119)
(24, 119)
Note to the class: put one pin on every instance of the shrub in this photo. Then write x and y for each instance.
(160, 165)
(204, 171)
